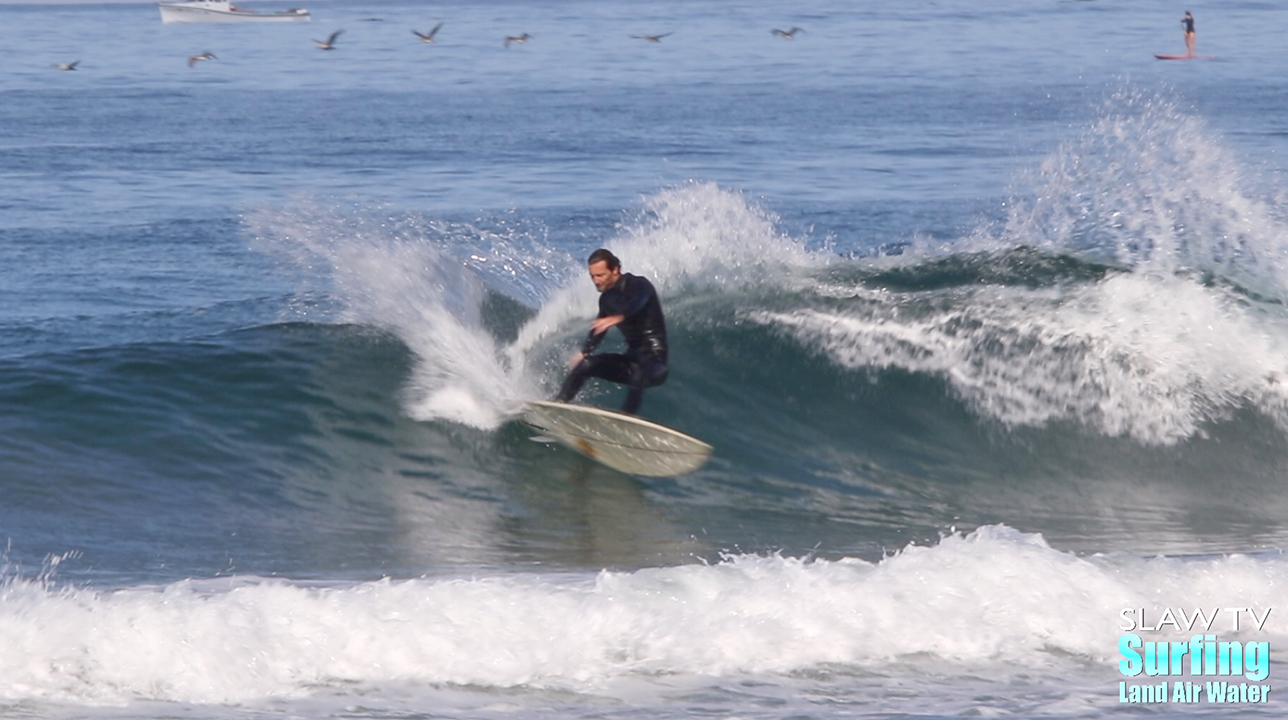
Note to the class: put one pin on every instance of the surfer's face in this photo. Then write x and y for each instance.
(603, 277)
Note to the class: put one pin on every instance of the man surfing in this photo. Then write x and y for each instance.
(629, 303)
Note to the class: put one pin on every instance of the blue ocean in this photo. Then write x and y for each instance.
(983, 308)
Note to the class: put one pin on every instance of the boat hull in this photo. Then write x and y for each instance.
(174, 13)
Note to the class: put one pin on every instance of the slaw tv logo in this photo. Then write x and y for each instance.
(1202, 668)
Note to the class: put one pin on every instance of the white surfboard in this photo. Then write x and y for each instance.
(623, 442)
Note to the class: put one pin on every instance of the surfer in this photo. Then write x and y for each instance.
(1188, 22)
(629, 303)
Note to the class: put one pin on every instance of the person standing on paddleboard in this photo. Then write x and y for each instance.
(629, 303)
(1188, 23)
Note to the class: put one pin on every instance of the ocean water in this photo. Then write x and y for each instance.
(982, 308)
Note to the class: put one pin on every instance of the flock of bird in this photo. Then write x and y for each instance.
(329, 43)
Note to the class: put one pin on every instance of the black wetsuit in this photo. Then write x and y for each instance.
(643, 364)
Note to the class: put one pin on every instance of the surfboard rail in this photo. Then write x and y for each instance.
(623, 442)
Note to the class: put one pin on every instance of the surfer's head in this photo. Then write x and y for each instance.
(605, 269)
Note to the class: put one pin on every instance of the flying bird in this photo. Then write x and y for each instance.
(652, 38)
(429, 38)
(329, 44)
(516, 39)
(193, 60)
(67, 66)
(787, 34)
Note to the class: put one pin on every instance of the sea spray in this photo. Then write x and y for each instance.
(426, 281)
(398, 274)
(692, 241)
(1154, 189)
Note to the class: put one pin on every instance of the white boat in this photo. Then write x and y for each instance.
(223, 11)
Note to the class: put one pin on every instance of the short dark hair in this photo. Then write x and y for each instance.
(602, 255)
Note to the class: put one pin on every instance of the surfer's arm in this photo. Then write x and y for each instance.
(598, 329)
(601, 324)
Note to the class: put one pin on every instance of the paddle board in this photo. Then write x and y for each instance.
(1184, 57)
(622, 442)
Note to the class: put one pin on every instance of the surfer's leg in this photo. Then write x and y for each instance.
(643, 375)
(609, 366)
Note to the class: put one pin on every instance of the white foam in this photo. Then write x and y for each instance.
(992, 599)
(1150, 357)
